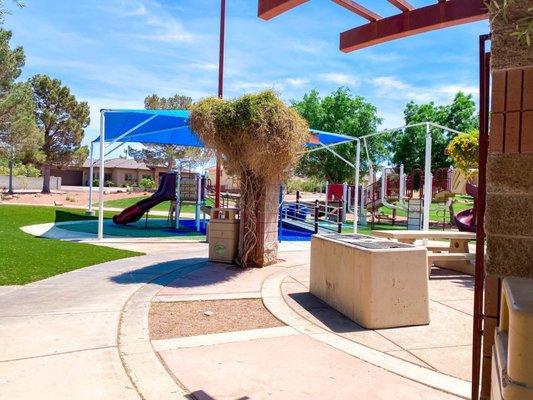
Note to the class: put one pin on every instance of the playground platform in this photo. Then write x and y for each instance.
(99, 330)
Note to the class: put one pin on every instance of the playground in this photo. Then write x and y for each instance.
(406, 276)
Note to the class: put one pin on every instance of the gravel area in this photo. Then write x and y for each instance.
(65, 198)
(192, 318)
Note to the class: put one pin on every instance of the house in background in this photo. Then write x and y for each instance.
(228, 183)
(120, 171)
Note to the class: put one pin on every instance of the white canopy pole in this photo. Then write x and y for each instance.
(356, 185)
(428, 179)
(101, 178)
(91, 172)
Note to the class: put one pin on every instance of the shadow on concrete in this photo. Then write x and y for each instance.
(158, 273)
(213, 274)
(189, 273)
(201, 395)
(466, 281)
(331, 318)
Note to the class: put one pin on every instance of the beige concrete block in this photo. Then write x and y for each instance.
(516, 321)
(509, 256)
(510, 173)
(377, 288)
(509, 214)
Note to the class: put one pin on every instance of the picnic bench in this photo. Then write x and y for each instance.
(455, 256)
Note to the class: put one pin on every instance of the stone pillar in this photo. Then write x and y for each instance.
(267, 227)
(509, 212)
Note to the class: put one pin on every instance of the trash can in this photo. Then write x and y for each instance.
(223, 234)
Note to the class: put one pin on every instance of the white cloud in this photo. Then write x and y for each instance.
(206, 66)
(246, 86)
(297, 82)
(392, 88)
(387, 83)
(138, 11)
(168, 29)
(339, 78)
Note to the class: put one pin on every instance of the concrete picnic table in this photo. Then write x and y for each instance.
(458, 256)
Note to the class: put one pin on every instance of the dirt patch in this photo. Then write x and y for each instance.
(192, 318)
(65, 198)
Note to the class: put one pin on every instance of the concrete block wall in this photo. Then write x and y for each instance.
(509, 212)
(509, 215)
(28, 183)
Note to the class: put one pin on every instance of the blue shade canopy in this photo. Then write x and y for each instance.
(172, 127)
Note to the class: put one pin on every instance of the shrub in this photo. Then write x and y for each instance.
(463, 150)
(70, 198)
(109, 184)
(20, 169)
(260, 140)
(146, 183)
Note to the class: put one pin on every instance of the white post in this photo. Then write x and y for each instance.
(101, 178)
(90, 210)
(356, 185)
(428, 179)
(401, 194)
(198, 197)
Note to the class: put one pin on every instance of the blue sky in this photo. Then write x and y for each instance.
(113, 53)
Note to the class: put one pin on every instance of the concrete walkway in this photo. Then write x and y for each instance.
(85, 335)
(58, 336)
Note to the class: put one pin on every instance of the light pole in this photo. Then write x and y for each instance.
(220, 91)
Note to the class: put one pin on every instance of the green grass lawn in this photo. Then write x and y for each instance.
(25, 258)
(164, 206)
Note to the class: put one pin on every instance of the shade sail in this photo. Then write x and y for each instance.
(172, 127)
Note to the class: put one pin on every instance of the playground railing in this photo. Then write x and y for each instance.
(318, 215)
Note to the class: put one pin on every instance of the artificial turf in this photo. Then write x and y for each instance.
(25, 258)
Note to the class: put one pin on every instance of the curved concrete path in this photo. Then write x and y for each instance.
(58, 336)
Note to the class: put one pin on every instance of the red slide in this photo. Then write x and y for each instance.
(466, 219)
(166, 191)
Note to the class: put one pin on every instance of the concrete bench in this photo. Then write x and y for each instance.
(456, 256)
(461, 262)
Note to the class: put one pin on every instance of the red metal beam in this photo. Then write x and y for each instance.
(436, 16)
(269, 9)
(402, 5)
(358, 9)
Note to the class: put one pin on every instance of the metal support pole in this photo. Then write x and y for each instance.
(316, 215)
(218, 174)
(90, 210)
(428, 179)
(479, 277)
(101, 177)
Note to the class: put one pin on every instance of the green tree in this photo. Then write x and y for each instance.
(340, 112)
(61, 120)
(19, 140)
(408, 146)
(4, 10)
(167, 154)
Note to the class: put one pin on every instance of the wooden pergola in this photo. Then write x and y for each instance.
(378, 29)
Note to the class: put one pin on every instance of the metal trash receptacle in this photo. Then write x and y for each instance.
(223, 234)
